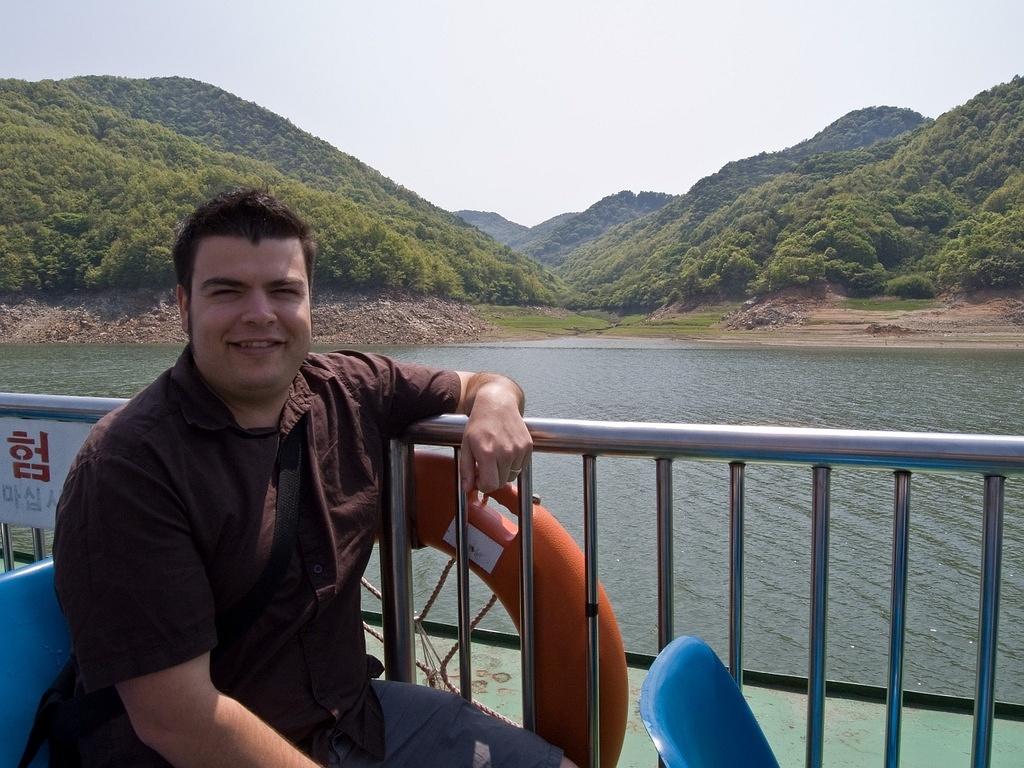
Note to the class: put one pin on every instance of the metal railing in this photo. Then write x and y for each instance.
(991, 457)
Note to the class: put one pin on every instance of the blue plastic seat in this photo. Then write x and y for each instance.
(695, 713)
(34, 645)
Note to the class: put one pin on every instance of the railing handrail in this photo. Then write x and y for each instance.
(59, 407)
(918, 451)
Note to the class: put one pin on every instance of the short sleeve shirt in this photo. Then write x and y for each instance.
(166, 521)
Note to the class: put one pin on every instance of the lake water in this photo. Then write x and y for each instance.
(935, 390)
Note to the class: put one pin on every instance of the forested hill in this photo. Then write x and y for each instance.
(496, 225)
(542, 230)
(96, 171)
(549, 241)
(224, 122)
(638, 264)
(510, 233)
(551, 247)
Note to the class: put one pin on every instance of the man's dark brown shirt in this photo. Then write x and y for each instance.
(166, 520)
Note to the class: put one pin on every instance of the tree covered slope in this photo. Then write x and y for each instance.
(495, 225)
(549, 241)
(638, 264)
(95, 172)
(552, 246)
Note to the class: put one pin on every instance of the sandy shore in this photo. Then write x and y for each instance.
(826, 320)
(823, 320)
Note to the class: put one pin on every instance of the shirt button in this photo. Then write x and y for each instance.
(318, 569)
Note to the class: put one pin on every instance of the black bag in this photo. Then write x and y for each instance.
(62, 719)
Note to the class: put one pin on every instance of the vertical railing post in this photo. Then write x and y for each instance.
(5, 541)
(819, 612)
(38, 543)
(736, 471)
(988, 620)
(593, 634)
(528, 660)
(396, 569)
(665, 543)
(897, 617)
(665, 569)
(462, 582)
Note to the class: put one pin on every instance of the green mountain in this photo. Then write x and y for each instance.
(515, 236)
(495, 225)
(551, 247)
(543, 230)
(939, 209)
(549, 241)
(640, 264)
(96, 171)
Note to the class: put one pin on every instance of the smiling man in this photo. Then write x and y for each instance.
(248, 319)
(168, 519)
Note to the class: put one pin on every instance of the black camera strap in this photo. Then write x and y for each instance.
(237, 619)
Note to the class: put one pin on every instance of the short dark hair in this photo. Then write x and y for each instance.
(249, 213)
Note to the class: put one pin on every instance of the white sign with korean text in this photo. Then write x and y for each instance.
(35, 456)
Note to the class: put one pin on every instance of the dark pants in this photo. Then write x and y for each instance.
(424, 727)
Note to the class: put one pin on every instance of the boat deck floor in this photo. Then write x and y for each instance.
(854, 727)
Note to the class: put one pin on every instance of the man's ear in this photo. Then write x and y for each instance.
(182, 298)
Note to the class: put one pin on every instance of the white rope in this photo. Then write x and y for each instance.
(435, 668)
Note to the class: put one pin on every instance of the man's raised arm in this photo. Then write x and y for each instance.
(496, 442)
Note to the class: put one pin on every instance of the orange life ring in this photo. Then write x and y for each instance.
(559, 608)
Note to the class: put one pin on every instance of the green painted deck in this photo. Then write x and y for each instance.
(854, 728)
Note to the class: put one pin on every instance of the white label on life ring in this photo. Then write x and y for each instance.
(483, 550)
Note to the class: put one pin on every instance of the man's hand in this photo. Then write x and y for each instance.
(496, 442)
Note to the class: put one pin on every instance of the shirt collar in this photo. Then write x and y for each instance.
(200, 407)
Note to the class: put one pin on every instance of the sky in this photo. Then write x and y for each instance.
(531, 109)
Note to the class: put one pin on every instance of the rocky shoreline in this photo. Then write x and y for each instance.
(148, 317)
(823, 318)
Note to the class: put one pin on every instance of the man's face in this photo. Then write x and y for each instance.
(249, 321)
